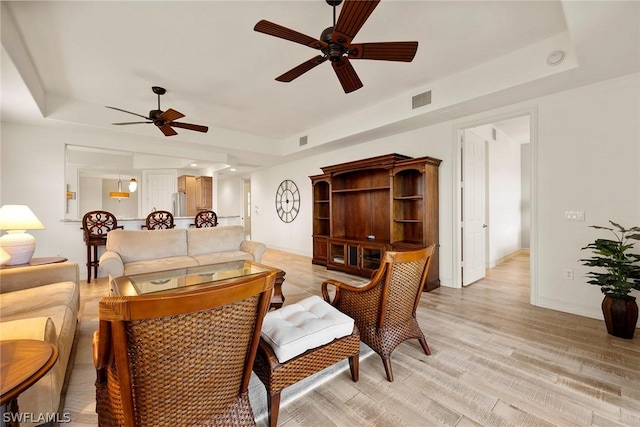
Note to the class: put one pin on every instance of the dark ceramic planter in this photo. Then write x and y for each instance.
(620, 315)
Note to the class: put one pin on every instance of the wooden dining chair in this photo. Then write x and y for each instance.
(159, 220)
(205, 219)
(180, 359)
(95, 226)
(385, 309)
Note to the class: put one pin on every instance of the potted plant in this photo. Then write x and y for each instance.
(618, 274)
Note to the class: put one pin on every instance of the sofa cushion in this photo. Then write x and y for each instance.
(140, 245)
(152, 265)
(309, 323)
(214, 239)
(58, 301)
(218, 257)
(38, 301)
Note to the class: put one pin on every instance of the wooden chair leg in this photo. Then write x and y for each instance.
(425, 347)
(273, 408)
(88, 264)
(95, 262)
(354, 366)
(387, 368)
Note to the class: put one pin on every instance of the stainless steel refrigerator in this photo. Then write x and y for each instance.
(179, 204)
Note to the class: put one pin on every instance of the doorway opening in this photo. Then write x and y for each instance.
(494, 179)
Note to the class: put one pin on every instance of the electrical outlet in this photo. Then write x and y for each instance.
(568, 274)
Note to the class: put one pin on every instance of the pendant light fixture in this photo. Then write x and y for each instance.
(133, 185)
(119, 194)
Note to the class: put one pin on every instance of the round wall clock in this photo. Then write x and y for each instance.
(287, 200)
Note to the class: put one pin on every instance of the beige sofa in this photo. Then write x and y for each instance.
(41, 303)
(141, 251)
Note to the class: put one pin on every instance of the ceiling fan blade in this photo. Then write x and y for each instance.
(347, 75)
(353, 15)
(129, 123)
(385, 51)
(301, 69)
(167, 130)
(189, 126)
(170, 115)
(276, 30)
(125, 111)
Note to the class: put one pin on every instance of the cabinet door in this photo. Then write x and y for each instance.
(320, 250)
(204, 190)
(371, 257)
(337, 253)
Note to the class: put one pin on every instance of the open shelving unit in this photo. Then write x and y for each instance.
(363, 208)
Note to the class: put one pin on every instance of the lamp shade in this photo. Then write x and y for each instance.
(133, 185)
(20, 246)
(18, 217)
(119, 194)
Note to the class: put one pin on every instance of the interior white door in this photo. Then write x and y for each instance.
(246, 208)
(473, 208)
(158, 189)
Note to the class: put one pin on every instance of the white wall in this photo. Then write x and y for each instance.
(586, 149)
(229, 197)
(585, 153)
(504, 197)
(587, 160)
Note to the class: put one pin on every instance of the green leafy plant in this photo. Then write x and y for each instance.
(621, 271)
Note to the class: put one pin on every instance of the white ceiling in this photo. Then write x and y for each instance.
(65, 61)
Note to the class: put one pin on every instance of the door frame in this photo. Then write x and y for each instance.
(457, 202)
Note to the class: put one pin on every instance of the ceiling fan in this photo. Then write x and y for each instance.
(335, 44)
(164, 120)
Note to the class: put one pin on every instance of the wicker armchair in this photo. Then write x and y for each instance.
(180, 359)
(159, 220)
(385, 309)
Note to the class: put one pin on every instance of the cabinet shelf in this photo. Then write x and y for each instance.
(321, 201)
(409, 198)
(408, 220)
(407, 243)
(353, 190)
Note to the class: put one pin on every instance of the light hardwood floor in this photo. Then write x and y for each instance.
(496, 361)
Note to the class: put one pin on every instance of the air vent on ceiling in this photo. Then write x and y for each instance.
(421, 100)
(303, 140)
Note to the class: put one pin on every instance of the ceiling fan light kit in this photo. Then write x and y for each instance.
(335, 44)
(164, 120)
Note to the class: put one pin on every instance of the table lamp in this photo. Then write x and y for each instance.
(20, 246)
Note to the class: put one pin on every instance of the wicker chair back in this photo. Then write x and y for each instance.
(180, 358)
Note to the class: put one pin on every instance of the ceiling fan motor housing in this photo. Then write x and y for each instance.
(334, 51)
(153, 114)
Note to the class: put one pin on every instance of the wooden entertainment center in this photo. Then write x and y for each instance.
(363, 208)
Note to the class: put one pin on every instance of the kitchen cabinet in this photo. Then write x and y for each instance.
(204, 193)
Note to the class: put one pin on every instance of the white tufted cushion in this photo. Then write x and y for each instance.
(309, 323)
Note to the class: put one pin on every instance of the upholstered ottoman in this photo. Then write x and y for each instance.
(299, 340)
